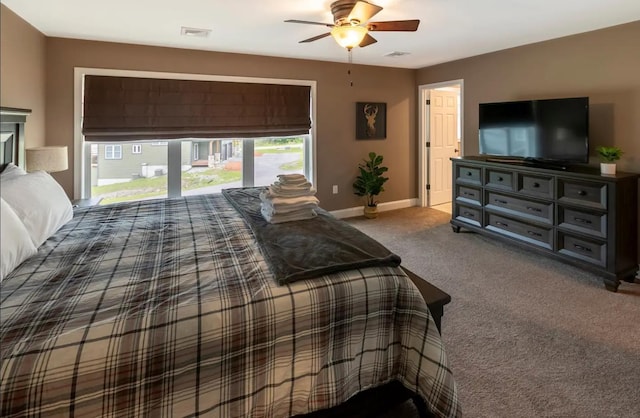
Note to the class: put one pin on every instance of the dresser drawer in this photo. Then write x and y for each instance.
(499, 179)
(532, 234)
(588, 223)
(588, 194)
(468, 174)
(538, 211)
(537, 186)
(594, 252)
(468, 194)
(468, 214)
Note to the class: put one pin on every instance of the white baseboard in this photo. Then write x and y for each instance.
(382, 207)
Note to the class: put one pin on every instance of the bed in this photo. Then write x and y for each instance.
(170, 307)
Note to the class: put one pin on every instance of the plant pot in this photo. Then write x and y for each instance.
(607, 168)
(370, 212)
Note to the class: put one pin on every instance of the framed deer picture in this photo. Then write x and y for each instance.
(371, 120)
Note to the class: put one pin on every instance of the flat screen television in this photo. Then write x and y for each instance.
(545, 131)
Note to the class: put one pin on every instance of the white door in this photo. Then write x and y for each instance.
(443, 138)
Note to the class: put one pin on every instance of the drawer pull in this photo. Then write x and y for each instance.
(502, 224)
(582, 248)
(582, 193)
(500, 179)
(469, 173)
(467, 194)
(504, 202)
(534, 209)
(536, 185)
(468, 214)
(582, 221)
(535, 234)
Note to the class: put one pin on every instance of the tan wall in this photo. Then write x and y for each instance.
(22, 72)
(338, 152)
(603, 64)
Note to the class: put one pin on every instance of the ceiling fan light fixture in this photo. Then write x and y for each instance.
(348, 36)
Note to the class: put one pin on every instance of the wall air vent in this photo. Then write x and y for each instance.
(396, 54)
(195, 32)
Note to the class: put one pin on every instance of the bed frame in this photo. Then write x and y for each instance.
(12, 127)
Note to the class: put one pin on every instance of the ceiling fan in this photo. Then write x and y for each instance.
(351, 25)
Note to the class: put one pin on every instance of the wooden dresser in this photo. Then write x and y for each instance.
(574, 214)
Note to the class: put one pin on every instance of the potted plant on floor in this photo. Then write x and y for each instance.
(369, 183)
(609, 156)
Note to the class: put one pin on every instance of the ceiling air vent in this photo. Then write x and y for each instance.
(195, 32)
(396, 54)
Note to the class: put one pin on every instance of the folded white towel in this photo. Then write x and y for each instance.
(296, 186)
(287, 208)
(292, 178)
(274, 192)
(276, 202)
(288, 217)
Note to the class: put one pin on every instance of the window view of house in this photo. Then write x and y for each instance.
(113, 152)
(134, 171)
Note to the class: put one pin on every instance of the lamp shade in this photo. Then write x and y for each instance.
(49, 159)
(348, 36)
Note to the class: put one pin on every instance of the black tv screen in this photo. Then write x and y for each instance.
(553, 130)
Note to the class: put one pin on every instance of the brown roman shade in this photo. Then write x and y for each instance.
(129, 108)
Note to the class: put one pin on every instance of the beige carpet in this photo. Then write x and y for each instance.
(526, 336)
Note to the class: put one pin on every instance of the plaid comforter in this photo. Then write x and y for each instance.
(167, 308)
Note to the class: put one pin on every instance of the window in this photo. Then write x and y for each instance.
(222, 163)
(273, 156)
(174, 160)
(196, 166)
(113, 152)
(196, 151)
(129, 177)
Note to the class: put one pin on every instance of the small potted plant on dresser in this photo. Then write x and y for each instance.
(609, 156)
(369, 183)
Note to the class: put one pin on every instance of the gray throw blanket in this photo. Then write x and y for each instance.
(308, 248)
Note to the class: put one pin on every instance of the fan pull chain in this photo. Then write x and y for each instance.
(349, 68)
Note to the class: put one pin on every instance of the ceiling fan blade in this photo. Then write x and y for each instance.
(363, 11)
(306, 22)
(394, 25)
(368, 40)
(315, 38)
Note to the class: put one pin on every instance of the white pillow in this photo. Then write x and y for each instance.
(11, 171)
(16, 242)
(40, 202)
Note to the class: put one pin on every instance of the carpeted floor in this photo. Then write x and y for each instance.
(526, 336)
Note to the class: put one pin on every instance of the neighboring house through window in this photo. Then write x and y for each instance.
(113, 152)
(94, 155)
(136, 149)
(201, 165)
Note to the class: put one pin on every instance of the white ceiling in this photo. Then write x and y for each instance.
(449, 29)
